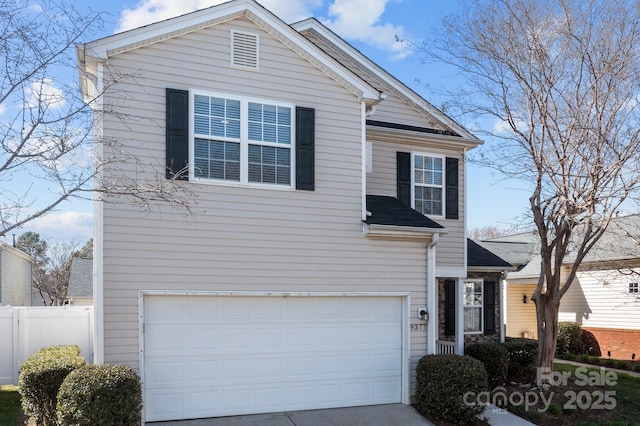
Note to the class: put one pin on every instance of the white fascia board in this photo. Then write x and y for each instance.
(431, 139)
(375, 230)
(313, 24)
(118, 43)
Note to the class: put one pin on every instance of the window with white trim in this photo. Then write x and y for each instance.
(634, 288)
(473, 297)
(241, 140)
(428, 184)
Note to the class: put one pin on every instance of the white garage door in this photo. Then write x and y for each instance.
(209, 356)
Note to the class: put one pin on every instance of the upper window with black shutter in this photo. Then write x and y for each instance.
(428, 184)
(242, 140)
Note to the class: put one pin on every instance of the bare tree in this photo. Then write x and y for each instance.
(561, 80)
(489, 231)
(46, 139)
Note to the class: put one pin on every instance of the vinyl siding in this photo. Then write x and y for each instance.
(242, 238)
(15, 280)
(382, 181)
(601, 299)
(521, 318)
(395, 110)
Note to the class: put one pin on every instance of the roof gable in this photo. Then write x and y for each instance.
(100, 50)
(369, 71)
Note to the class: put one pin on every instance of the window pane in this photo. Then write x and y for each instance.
(255, 172)
(255, 154)
(255, 131)
(269, 133)
(284, 116)
(472, 318)
(217, 107)
(201, 124)
(255, 112)
(232, 170)
(217, 169)
(283, 175)
(217, 150)
(217, 127)
(201, 167)
(268, 155)
(269, 114)
(282, 155)
(268, 174)
(232, 151)
(201, 104)
(284, 135)
(233, 128)
(428, 200)
(418, 161)
(233, 109)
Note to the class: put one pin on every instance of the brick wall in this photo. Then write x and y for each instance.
(621, 343)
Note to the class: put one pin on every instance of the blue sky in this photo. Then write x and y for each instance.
(370, 26)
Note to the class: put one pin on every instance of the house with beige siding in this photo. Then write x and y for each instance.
(15, 276)
(328, 202)
(604, 298)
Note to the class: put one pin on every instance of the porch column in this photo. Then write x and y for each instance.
(432, 303)
(460, 316)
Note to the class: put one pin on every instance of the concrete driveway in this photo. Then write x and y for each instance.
(374, 415)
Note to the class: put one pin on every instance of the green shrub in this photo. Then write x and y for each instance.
(442, 382)
(637, 368)
(609, 362)
(100, 395)
(569, 339)
(621, 365)
(569, 356)
(585, 358)
(523, 355)
(40, 378)
(495, 359)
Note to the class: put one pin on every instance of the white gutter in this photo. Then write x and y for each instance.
(432, 303)
(98, 236)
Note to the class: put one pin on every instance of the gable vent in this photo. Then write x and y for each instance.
(244, 50)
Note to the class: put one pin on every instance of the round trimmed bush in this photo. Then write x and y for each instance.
(40, 378)
(569, 339)
(442, 382)
(100, 395)
(495, 359)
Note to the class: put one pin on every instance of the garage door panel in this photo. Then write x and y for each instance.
(277, 354)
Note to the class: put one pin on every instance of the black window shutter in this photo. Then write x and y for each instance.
(489, 307)
(403, 177)
(451, 190)
(177, 134)
(450, 307)
(305, 148)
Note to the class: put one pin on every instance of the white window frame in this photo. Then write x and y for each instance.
(474, 305)
(442, 187)
(634, 287)
(243, 141)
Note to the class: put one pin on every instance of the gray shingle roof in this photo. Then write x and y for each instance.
(480, 256)
(81, 279)
(390, 211)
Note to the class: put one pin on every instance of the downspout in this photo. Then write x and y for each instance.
(503, 306)
(432, 303)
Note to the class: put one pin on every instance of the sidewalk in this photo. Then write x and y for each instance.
(500, 417)
(580, 364)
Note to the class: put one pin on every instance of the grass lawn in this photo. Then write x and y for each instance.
(9, 406)
(587, 397)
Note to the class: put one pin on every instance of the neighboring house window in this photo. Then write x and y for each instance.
(634, 288)
(242, 140)
(428, 184)
(473, 298)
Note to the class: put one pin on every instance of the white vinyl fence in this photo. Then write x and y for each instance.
(25, 330)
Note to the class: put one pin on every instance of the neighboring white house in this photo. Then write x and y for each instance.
(15, 277)
(329, 204)
(80, 290)
(604, 298)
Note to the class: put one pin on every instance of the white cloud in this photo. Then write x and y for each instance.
(351, 19)
(44, 93)
(149, 11)
(64, 226)
(360, 20)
